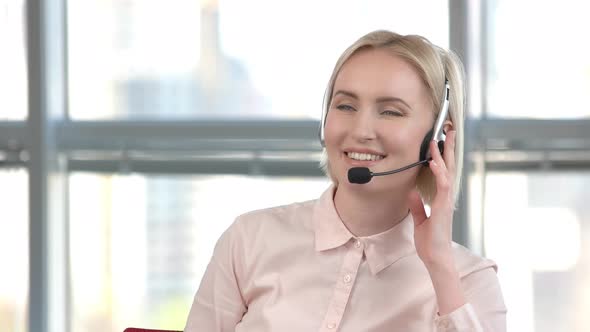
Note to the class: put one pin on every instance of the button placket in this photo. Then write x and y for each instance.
(343, 286)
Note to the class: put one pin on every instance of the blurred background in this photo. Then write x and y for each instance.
(133, 132)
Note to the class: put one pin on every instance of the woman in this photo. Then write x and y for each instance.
(363, 257)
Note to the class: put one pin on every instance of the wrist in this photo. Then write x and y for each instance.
(446, 282)
(442, 261)
(443, 272)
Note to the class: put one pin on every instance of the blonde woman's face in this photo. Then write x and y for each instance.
(379, 114)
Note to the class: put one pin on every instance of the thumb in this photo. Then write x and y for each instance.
(416, 207)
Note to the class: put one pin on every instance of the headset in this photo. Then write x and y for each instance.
(437, 133)
(362, 174)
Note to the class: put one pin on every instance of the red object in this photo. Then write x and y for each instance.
(135, 329)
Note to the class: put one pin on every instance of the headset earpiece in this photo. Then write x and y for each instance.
(425, 146)
(441, 146)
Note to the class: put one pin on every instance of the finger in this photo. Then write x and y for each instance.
(449, 151)
(443, 184)
(416, 208)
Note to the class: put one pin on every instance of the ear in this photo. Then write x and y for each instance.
(447, 126)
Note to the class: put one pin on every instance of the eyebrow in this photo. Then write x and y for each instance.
(379, 100)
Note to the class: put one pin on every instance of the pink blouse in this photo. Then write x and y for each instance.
(298, 268)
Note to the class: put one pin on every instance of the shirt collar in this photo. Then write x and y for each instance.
(381, 250)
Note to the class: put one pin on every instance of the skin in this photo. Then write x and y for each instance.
(380, 104)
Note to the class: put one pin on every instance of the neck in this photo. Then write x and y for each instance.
(366, 215)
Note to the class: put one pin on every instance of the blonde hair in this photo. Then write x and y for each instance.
(433, 64)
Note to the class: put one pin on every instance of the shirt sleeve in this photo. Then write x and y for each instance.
(218, 304)
(484, 311)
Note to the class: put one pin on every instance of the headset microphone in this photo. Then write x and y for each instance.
(361, 175)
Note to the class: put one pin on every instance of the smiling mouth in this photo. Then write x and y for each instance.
(364, 156)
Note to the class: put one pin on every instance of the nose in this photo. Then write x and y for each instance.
(363, 128)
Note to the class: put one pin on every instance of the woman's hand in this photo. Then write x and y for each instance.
(433, 235)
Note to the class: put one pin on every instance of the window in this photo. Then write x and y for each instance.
(13, 81)
(164, 60)
(14, 250)
(539, 63)
(537, 228)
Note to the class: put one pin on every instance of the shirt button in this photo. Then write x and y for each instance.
(331, 325)
(358, 243)
(347, 278)
(444, 324)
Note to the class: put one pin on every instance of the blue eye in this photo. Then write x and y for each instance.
(345, 108)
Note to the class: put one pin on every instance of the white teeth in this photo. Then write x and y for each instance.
(363, 156)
